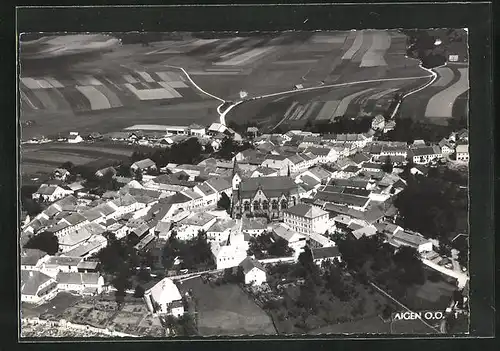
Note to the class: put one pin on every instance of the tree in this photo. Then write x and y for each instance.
(387, 312)
(139, 291)
(224, 202)
(387, 167)
(45, 241)
(138, 175)
(407, 259)
(68, 166)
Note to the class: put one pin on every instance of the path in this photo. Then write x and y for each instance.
(461, 277)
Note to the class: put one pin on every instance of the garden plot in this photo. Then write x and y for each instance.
(97, 100)
(381, 41)
(445, 75)
(344, 104)
(441, 104)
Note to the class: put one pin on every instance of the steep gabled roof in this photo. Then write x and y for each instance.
(307, 211)
(249, 263)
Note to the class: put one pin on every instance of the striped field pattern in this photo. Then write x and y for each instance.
(86, 93)
(441, 104)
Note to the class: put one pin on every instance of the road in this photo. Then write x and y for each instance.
(461, 277)
(222, 115)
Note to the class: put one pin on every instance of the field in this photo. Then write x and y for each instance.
(46, 157)
(107, 91)
(227, 310)
(445, 98)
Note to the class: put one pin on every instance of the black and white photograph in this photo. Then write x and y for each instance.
(202, 184)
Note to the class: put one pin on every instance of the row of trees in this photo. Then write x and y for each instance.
(340, 126)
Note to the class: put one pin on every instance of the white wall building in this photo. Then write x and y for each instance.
(255, 273)
(164, 298)
(306, 219)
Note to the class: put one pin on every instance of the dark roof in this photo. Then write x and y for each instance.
(370, 165)
(304, 210)
(273, 186)
(339, 198)
(325, 252)
(360, 157)
(351, 183)
(249, 263)
(351, 169)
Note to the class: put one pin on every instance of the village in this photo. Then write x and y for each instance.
(264, 213)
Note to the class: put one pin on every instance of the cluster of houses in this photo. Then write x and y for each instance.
(301, 187)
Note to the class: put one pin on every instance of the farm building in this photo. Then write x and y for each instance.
(50, 193)
(37, 287)
(74, 138)
(227, 256)
(164, 298)
(196, 129)
(82, 283)
(406, 238)
(143, 166)
(426, 154)
(323, 254)
(255, 273)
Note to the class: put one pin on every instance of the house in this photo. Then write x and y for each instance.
(78, 236)
(220, 185)
(265, 172)
(394, 149)
(268, 195)
(55, 264)
(347, 172)
(318, 173)
(316, 240)
(462, 153)
(253, 226)
(295, 241)
(61, 174)
(255, 273)
(446, 147)
(162, 230)
(143, 166)
(189, 227)
(88, 248)
(74, 138)
(104, 171)
(227, 256)
(88, 267)
(306, 219)
(426, 154)
(164, 298)
(323, 154)
(322, 254)
(252, 132)
(378, 123)
(221, 230)
(337, 197)
(216, 128)
(208, 194)
(358, 231)
(82, 283)
(420, 170)
(37, 287)
(196, 129)
(279, 163)
(411, 239)
(390, 125)
(371, 167)
(32, 259)
(50, 193)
